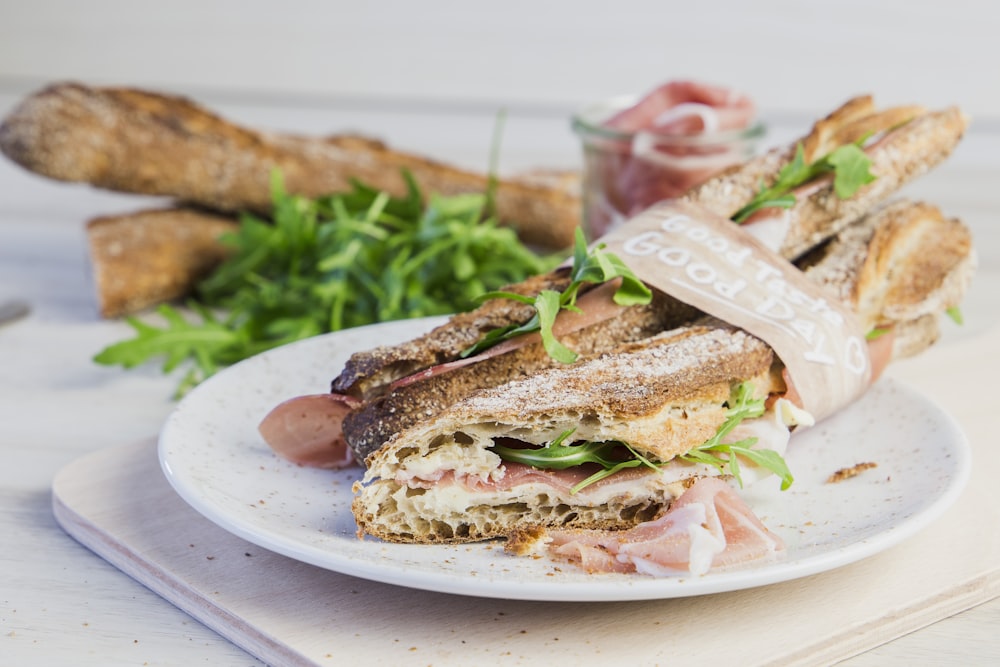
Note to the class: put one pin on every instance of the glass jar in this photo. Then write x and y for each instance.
(626, 172)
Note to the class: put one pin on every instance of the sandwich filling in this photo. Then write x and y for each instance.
(476, 483)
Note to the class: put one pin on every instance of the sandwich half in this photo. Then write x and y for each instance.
(490, 464)
(612, 441)
(659, 400)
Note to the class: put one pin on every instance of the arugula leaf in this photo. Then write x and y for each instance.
(634, 462)
(851, 169)
(547, 304)
(325, 264)
(209, 345)
(555, 455)
(849, 165)
(595, 266)
(558, 456)
(877, 332)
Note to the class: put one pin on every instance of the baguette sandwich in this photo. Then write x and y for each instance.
(479, 468)
(382, 391)
(660, 400)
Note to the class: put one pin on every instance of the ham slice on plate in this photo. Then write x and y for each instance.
(708, 526)
(307, 430)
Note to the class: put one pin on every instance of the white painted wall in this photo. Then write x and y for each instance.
(794, 57)
(430, 75)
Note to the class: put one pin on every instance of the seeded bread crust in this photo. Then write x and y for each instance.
(368, 373)
(616, 396)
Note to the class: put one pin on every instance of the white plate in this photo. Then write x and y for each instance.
(213, 457)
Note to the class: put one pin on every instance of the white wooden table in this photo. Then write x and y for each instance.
(61, 604)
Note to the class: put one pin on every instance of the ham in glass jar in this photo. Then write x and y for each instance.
(641, 151)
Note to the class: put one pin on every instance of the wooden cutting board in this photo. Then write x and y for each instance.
(117, 503)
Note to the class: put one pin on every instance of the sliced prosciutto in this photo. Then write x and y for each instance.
(708, 526)
(685, 108)
(511, 475)
(672, 139)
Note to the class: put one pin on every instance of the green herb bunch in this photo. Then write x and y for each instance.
(326, 264)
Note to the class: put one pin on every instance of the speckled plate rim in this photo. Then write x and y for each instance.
(214, 459)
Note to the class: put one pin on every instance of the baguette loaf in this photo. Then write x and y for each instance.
(135, 141)
(148, 257)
